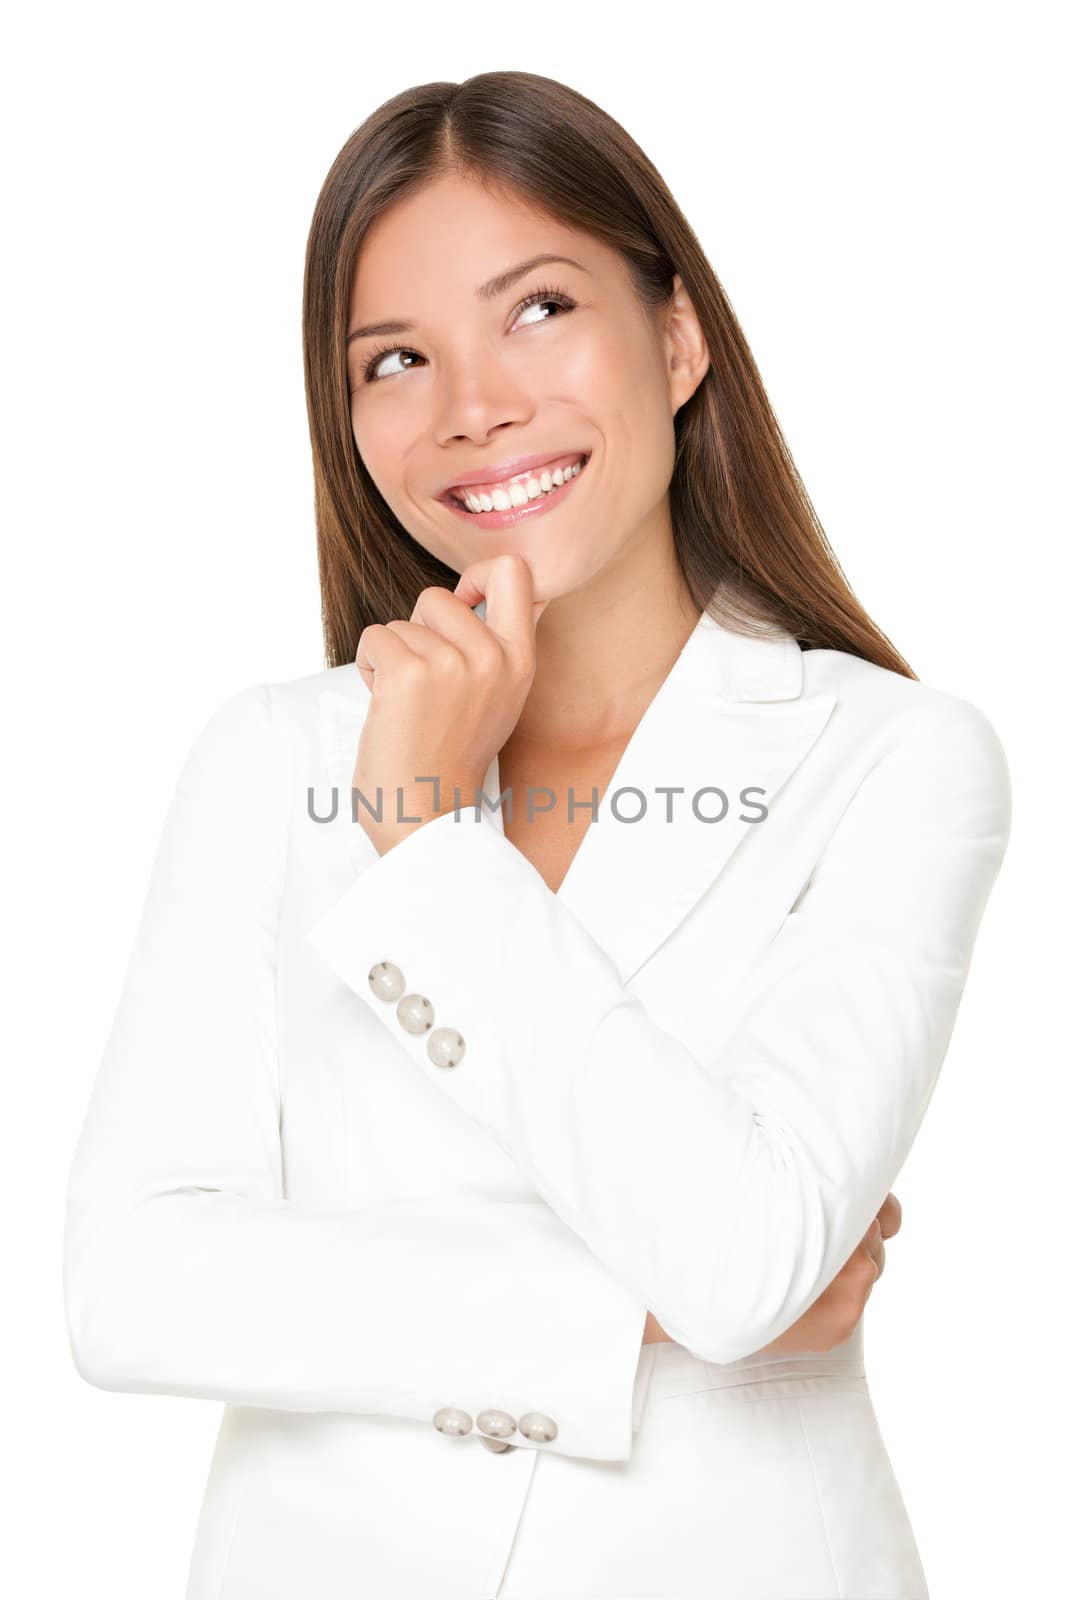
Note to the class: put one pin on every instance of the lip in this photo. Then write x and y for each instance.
(508, 469)
(540, 506)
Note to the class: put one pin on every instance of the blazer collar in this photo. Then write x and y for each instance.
(730, 715)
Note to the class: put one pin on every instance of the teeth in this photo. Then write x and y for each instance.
(519, 491)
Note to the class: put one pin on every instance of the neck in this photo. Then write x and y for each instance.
(602, 653)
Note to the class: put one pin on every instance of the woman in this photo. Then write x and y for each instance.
(517, 1177)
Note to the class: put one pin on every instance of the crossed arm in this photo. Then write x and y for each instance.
(189, 1271)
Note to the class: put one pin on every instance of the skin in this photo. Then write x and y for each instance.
(586, 610)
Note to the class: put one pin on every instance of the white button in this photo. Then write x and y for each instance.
(386, 980)
(451, 1420)
(537, 1427)
(497, 1424)
(415, 1013)
(445, 1047)
(499, 1445)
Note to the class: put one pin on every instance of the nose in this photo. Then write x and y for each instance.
(477, 397)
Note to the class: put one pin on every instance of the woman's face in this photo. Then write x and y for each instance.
(485, 373)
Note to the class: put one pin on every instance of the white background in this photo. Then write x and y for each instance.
(876, 189)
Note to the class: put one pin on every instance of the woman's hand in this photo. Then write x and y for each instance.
(447, 690)
(829, 1321)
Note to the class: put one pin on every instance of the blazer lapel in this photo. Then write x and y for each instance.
(729, 717)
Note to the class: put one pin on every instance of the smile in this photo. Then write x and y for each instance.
(527, 494)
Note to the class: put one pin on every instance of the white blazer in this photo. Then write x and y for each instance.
(382, 1232)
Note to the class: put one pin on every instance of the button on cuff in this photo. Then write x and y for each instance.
(451, 1420)
(446, 1047)
(414, 1013)
(538, 1428)
(386, 981)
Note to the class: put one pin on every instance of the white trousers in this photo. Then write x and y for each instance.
(769, 1484)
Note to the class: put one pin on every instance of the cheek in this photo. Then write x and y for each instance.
(375, 449)
(620, 385)
(642, 408)
(383, 448)
(585, 372)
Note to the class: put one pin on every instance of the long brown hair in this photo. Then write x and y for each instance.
(749, 544)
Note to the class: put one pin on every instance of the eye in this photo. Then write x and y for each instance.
(369, 374)
(562, 303)
(553, 297)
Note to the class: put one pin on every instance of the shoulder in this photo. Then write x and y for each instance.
(915, 732)
(278, 711)
(268, 742)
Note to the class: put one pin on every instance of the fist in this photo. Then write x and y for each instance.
(831, 1319)
(446, 692)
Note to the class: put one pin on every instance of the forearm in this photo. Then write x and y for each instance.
(781, 1142)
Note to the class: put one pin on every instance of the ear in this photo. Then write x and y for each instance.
(685, 346)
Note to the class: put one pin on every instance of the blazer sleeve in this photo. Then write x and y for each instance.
(187, 1270)
(727, 1192)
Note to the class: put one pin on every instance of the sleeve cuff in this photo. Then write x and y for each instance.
(425, 906)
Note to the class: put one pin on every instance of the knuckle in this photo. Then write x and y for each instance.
(410, 671)
(862, 1272)
(488, 659)
(449, 658)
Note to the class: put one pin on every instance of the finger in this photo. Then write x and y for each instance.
(505, 583)
(869, 1287)
(420, 638)
(378, 652)
(472, 586)
(872, 1249)
(890, 1216)
(853, 1286)
(438, 617)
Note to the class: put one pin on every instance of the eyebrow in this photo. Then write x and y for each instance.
(487, 291)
